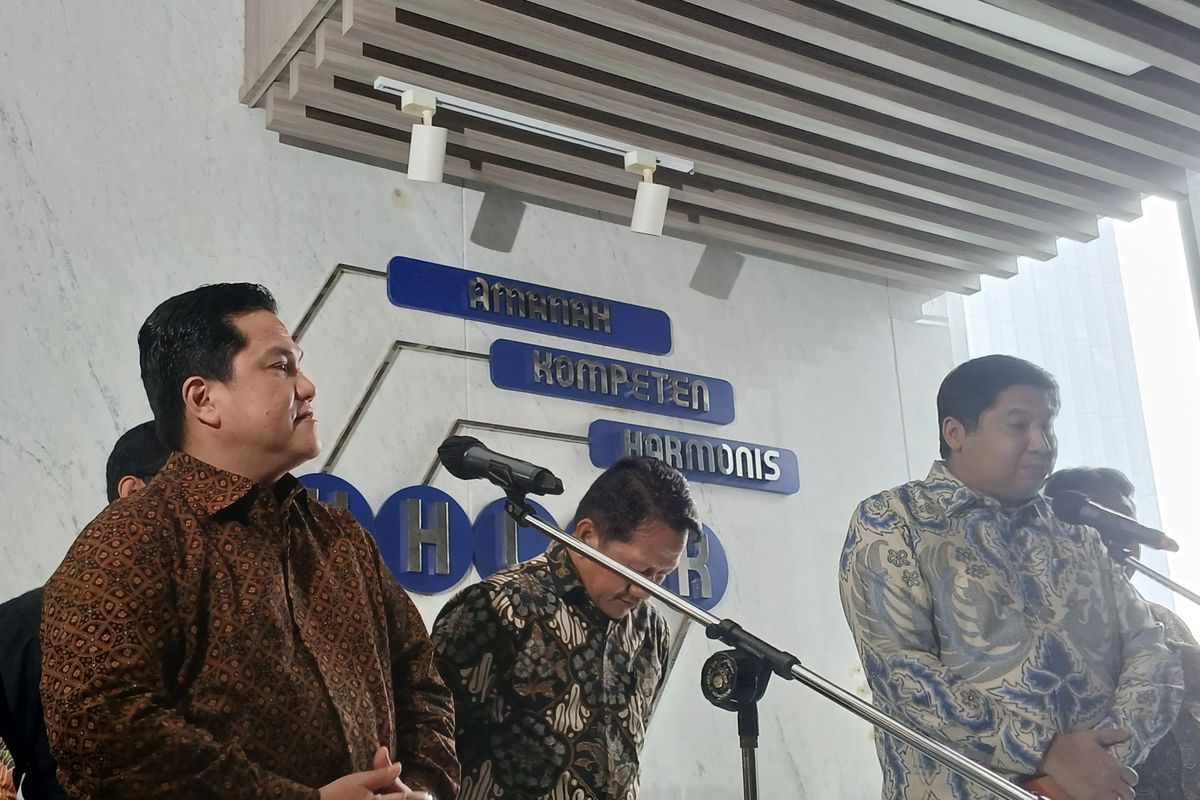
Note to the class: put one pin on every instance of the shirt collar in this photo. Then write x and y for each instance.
(566, 583)
(563, 573)
(211, 490)
(955, 497)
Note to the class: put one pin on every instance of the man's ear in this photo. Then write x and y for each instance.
(585, 531)
(954, 433)
(199, 403)
(128, 485)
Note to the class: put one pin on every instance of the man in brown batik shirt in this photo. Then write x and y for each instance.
(221, 633)
(556, 663)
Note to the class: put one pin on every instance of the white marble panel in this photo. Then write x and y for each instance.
(129, 172)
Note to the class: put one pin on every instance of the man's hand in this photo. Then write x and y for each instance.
(366, 786)
(1081, 766)
(381, 783)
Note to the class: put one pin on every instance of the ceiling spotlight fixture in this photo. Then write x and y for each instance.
(650, 206)
(427, 154)
(532, 124)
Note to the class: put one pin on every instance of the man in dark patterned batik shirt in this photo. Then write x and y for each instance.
(556, 663)
(220, 633)
(136, 458)
(1172, 769)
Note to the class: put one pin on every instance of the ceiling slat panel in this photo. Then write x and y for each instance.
(866, 138)
(1124, 27)
(1152, 93)
(902, 179)
(896, 137)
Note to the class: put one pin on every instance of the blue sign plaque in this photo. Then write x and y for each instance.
(427, 286)
(606, 381)
(706, 459)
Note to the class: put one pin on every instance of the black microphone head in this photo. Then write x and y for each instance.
(547, 483)
(452, 453)
(1068, 506)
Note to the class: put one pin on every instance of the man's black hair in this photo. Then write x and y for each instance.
(193, 334)
(139, 452)
(1092, 481)
(637, 490)
(972, 387)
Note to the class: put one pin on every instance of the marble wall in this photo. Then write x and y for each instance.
(129, 172)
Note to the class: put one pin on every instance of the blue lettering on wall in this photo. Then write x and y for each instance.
(605, 381)
(706, 459)
(425, 538)
(501, 543)
(409, 532)
(474, 295)
(704, 569)
(329, 488)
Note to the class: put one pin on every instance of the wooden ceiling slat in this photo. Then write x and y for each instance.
(937, 63)
(889, 208)
(1123, 27)
(905, 184)
(883, 172)
(964, 117)
(314, 89)
(289, 118)
(867, 138)
(1147, 92)
(1185, 11)
(892, 137)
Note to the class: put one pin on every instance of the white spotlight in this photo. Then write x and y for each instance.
(650, 206)
(427, 154)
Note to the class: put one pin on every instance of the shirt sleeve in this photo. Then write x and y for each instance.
(1149, 691)
(424, 704)
(109, 634)
(888, 607)
(8, 789)
(475, 654)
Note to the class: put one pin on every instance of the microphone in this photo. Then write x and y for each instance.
(1078, 509)
(466, 457)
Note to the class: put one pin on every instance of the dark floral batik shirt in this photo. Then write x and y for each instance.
(1172, 770)
(552, 697)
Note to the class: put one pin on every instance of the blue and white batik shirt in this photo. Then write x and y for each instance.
(992, 628)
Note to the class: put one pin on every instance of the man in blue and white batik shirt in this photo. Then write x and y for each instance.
(985, 622)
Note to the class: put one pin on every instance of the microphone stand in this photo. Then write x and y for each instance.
(782, 663)
(1117, 549)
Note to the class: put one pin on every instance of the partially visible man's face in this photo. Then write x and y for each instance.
(653, 551)
(1011, 450)
(266, 408)
(1115, 501)
(1122, 504)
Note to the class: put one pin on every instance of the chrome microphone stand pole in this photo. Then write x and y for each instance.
(1120, 553)
(781, 663)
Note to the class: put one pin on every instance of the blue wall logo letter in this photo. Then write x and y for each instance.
(425, 538)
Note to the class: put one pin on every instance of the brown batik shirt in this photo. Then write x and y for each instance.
(552, 697)
(208, 637)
